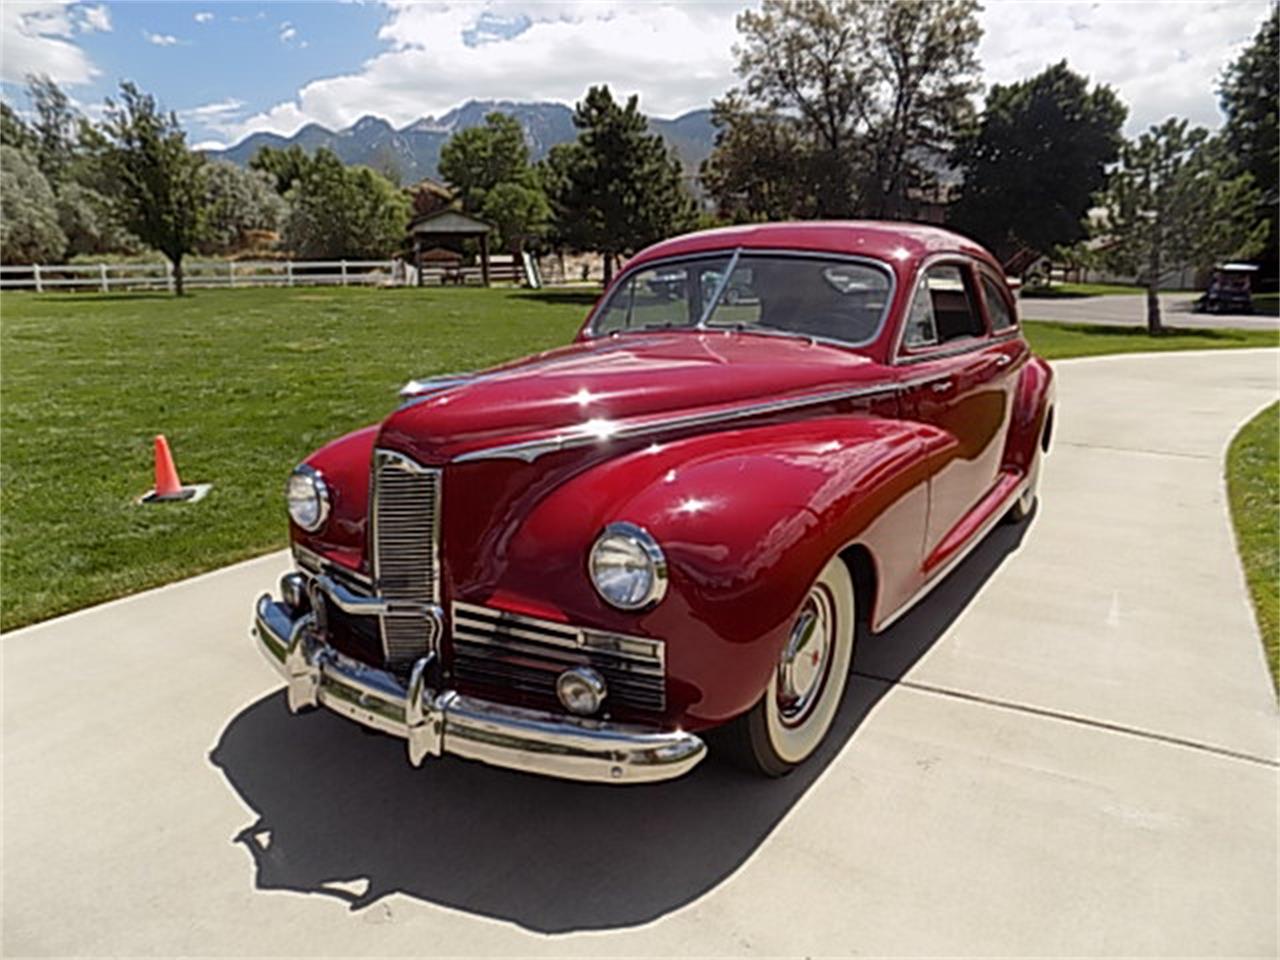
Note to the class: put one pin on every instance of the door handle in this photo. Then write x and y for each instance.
(1002, 360)
(940, 386)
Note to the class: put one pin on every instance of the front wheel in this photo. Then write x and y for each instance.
(805, 689)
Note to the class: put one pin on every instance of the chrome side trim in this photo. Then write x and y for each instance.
(960, 555)
(437, 722)
(445, 381)
(531, 450)
(968, 345)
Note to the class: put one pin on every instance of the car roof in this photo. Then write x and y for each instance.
(894, 242)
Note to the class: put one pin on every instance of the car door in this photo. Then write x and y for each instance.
(1009, 351)
(954, 379)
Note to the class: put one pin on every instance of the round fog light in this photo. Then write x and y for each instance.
(581, 690)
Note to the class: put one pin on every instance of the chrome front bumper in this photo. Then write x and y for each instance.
(438, 722)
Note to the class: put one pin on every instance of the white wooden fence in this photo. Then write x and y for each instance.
(105, 277)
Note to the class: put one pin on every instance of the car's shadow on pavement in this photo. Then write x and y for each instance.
(342, 813)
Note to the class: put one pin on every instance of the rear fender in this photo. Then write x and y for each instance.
(1033, 401)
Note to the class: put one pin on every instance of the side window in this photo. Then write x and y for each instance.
(921, 330)
(944, 309)
(997, 306)
(954, 306)
(648, 298)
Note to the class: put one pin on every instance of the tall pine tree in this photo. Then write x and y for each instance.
(618, 187)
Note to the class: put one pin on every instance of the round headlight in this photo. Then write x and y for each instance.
(308, 498)
(627, 567)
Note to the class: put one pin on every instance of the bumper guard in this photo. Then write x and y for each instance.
(438, 722)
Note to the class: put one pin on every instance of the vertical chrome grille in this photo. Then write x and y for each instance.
(406, 550)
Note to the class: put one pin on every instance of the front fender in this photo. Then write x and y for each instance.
(747, 518)
(344, 463)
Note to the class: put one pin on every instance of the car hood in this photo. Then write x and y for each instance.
(614, 380)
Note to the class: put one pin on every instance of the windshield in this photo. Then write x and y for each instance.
(809, 296)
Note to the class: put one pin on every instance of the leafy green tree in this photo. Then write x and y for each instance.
(762, 165)
(878, 89)
(159, 185)
(240, 200)
(476, 160)
(618, 187)
(1250, 98)
(283, 166)
(1175, 202)
(29, 231)
(571, 223)
(337, 211)
(14, 131)
(519, 211)
(924, 59)
(55, 128)
(90, 223)
(1038, 155)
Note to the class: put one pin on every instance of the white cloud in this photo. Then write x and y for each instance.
(204, 16)
(210, 145)
(1162, 58)
(161, 39)
(91, 19)
(35, 37)
(677, 57)
(221, 116)
(287, 32)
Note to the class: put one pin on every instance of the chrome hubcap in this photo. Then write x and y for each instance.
(802, 671)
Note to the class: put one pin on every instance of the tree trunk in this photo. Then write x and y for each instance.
(177, 275)
(1154, 325)
(608, 267)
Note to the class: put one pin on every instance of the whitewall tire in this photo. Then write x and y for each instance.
(804, 693)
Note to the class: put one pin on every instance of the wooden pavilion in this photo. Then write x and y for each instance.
(431, 230)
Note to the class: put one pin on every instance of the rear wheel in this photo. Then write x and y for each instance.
(1026, 503)
(805, 689)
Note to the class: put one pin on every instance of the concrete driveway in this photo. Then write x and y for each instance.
(1121, 310)
(1070, 748)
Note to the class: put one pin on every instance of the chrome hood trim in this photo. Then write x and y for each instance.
(595, 431)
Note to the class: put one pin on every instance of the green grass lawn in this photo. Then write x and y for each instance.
(1253, 485)
(245, 383)
(1073, 290)
(1058, 341)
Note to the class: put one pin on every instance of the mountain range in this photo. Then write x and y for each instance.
(413, 152)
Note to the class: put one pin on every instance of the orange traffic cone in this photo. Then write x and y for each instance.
(167, 483)
(168, 486)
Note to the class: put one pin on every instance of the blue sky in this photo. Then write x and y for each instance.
(231, 68)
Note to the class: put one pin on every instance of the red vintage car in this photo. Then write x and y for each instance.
(576, 563)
